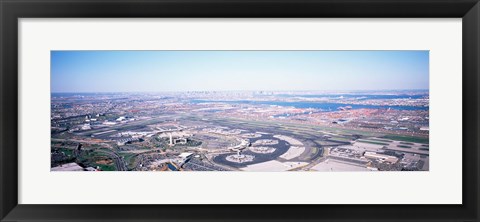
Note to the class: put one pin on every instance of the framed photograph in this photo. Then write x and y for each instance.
(239, 110)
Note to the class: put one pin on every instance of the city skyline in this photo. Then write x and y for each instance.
(175, 71)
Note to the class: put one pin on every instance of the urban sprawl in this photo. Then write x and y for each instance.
(241, 131)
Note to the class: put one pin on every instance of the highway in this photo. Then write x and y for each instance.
(120, 164)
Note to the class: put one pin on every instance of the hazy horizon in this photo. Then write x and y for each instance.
(319, 91)
(182, 71)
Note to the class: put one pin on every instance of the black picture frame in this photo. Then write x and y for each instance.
(12, 10)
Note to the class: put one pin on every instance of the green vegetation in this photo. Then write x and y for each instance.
(403, 146)
(407, 138)
(373, 142)
(342, 139)
(62, 156)
(67, 152)
(303, 128)
(380, 140)
(406, 143)
(130, 159)
(97, 157)
(110, 167)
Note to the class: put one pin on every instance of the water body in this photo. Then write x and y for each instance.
(171, 167)
(358, 96)
(314, 105)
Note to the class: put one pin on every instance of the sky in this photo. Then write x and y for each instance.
(159, 71)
